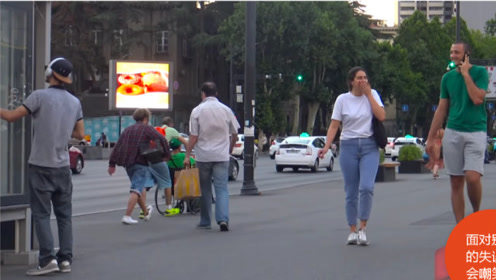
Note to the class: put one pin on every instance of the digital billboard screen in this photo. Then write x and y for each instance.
(140, 85)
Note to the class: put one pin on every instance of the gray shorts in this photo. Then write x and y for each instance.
(463, 151)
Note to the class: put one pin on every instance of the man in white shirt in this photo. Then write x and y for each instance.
(213, 133)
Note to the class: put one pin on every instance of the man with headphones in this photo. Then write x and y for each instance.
(57, 117)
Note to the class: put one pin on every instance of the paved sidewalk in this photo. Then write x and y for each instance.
(290, 234)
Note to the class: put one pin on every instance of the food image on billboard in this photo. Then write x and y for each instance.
(142, 85)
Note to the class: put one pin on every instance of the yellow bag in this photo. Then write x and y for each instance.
(187, 185)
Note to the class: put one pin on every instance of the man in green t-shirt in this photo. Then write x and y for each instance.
(462, 100)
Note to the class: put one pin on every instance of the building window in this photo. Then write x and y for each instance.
(16, 80)
(118, 34)
(96, 37)
(68, 36)
(162, 41)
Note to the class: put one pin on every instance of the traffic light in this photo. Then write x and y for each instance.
(451, 66)
(299, 78)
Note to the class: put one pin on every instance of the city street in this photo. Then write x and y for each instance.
(95, 191)
(295, 229)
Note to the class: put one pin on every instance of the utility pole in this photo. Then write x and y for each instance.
(457, 21)
(249, 187)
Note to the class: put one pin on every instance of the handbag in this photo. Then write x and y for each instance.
(187, 185)
(379, 132)
(152, 151)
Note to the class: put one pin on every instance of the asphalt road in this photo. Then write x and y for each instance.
(295, 232)
(96, 192)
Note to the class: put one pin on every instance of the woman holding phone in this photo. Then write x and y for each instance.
(359, 153)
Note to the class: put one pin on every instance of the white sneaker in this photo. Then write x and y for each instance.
(52, 266)
(150, 211)
(352, 239)
(128, 220)
(362, 238)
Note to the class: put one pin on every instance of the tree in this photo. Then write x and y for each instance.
(319, 40)
(490, 27)
(427, 46)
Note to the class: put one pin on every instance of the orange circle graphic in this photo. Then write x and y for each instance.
(471, 248)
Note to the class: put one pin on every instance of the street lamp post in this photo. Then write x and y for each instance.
(249, 187)
(457, 21)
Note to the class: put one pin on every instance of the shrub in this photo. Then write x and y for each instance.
(410, 152)
(381, 156)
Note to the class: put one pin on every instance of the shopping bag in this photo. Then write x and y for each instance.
(187, 184)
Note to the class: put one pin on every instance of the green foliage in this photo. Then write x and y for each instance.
(483, 47)
(409, 152)
(490, 27)
(319, 40)
(381, 156)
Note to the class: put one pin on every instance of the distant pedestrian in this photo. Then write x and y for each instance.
(102, 141)
(171, 132)
(213, 133)
(127, 153)
(359, 153)
(462, 100)
(57, 116)
(438, 157)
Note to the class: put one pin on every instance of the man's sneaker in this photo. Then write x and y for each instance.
(352, 239)
(200, 226)
(362, 238)
(52, 266)
(128, 220)
(150, 211)
(65, 266)
(141, 214)
(172, 212)
(224, 226)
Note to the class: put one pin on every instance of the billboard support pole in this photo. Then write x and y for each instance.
(120, 122)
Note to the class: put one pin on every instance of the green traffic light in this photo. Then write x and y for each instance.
(299, 78)
(451, 66)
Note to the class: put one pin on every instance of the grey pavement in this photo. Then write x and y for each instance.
(293, 233)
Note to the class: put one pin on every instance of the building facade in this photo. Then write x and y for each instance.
(444, 10)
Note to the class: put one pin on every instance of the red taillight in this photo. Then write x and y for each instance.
(309, 151)
(273, 143)
(237, 145)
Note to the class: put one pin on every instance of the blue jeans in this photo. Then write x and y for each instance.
(218, 172)
(51, 186)
(140, 177)
(359, 161)
(161, 174)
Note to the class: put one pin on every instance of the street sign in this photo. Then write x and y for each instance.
(404, 107)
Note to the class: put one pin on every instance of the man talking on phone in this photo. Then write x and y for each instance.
(462, 101)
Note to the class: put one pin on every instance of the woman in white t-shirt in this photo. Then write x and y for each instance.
(359, 153)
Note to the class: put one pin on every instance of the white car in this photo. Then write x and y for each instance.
(401, 141)
(274, 146)
(239, 147)
(389, 146)
(302, 152)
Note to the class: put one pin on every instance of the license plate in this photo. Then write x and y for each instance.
(293, 151)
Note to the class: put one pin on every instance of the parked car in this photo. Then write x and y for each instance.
(401, 141)
(233, 168)
(302, 152)
(274, 146)
(239, 147)
(76, 142)
(76, 160)
(389, 146)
